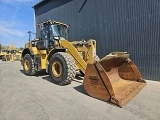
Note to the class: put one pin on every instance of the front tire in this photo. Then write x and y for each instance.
(28, 65)
(62, 68)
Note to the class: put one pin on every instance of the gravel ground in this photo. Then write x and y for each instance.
(37, 98)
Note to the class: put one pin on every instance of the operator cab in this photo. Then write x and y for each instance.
(50, 33)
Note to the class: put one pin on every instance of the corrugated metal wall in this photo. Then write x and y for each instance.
(117, 25)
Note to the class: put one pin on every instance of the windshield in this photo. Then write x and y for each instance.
(59, 31)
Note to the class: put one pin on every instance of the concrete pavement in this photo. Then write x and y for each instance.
(37, 98)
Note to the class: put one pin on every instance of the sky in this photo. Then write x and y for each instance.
(16, 19)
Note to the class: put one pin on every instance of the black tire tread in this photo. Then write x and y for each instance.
(71, 67)
(33, 71)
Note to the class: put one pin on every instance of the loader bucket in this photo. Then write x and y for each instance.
(114, 79)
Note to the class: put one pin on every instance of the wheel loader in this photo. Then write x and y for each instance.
(10, 55)
(4, 55)
(114, 78)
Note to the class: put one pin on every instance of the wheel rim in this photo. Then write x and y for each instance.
(26, 65)
(57, 69)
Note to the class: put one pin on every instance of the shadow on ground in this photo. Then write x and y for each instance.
(81, 89)
(48, 78)
(78, 79)
(41, 73)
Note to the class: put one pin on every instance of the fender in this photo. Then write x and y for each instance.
(54, 50)
(26, 51)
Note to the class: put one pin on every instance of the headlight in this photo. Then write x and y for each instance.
(57, 38)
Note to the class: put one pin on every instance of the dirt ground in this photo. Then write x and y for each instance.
(37, 98)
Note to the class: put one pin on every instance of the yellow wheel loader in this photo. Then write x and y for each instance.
(114, 78)
(10, 55)
(5, 55)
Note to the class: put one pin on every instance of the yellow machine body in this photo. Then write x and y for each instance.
(81, 54)
(114, 78)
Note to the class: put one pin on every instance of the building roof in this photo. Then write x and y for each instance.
(39, 3)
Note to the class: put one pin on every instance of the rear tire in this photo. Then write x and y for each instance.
(28, 65)
(8, 57)
(3, 58)
(62, 68)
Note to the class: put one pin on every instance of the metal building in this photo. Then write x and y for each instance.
(117, 25)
